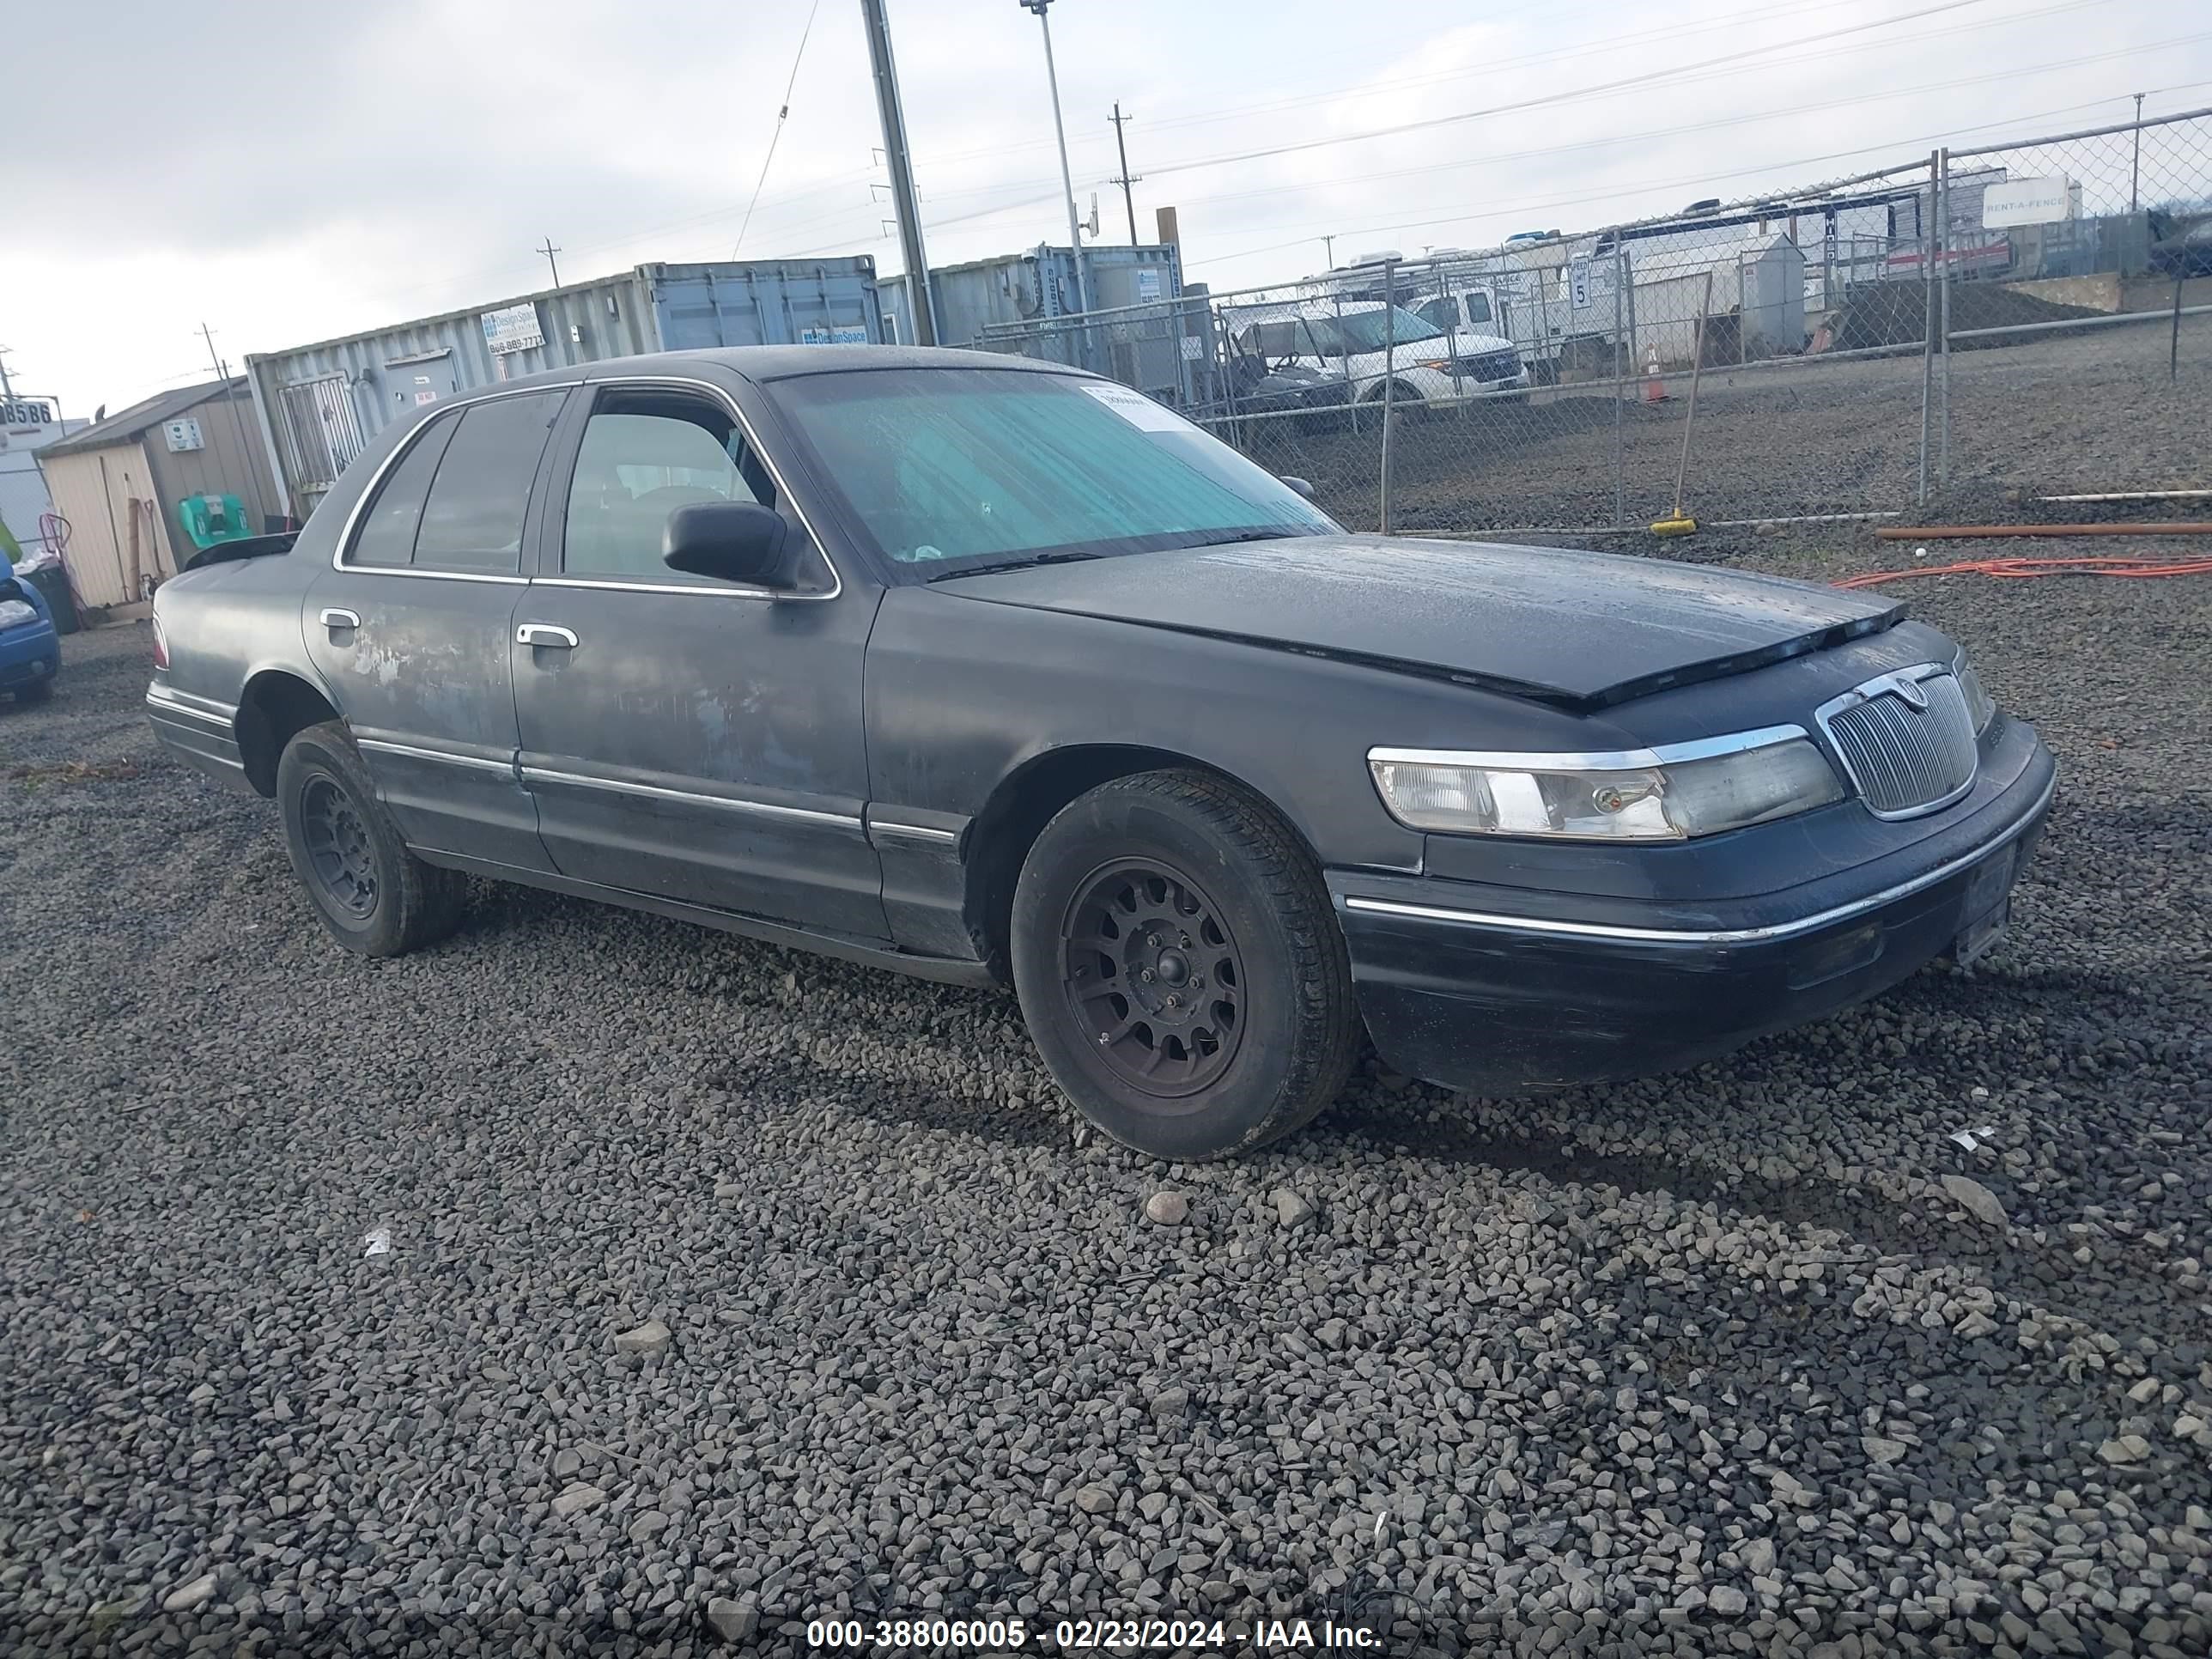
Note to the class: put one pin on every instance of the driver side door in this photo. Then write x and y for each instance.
(682, 736)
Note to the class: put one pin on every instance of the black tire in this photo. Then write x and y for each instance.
(1182, 875)
(376, 897)
(34, 691)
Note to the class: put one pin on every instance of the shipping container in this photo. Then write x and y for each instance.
(320, 405)
(1032, 286)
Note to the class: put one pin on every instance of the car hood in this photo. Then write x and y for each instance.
(1581, 630)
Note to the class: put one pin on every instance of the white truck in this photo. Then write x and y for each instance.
(1551, 298)
(1339, 340)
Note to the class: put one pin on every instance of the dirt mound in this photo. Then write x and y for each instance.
(1895, 313)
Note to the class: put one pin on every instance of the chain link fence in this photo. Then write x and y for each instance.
(2028, 320)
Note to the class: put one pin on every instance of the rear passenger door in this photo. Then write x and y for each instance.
(410, 626)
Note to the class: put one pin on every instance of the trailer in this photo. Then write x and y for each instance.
(319, 406)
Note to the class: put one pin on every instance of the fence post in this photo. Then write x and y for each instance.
(2173, 346)
(1390, 382)
(1943, 322)
(1928, 307)
(1620, 375)
(1343, 358)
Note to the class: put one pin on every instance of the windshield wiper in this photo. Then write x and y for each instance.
(1021, 564)
(1226, 537)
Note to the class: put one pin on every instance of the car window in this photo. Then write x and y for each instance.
(642, 456)
(473, 518)
(1442, 313)
(386, 536)
(1275, 340)
(1478, 308)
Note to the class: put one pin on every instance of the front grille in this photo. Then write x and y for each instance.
(1903, 759)
(1491, 365)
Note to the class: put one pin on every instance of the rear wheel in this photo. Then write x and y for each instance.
(374, 897)
(1180, 968)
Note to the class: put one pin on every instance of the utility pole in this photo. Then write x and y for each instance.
(549, 250)
(6, 388)
(921, 302)
(2134, 168)
(1126, 180)
(1328, 251)
(1067, 180)
(237, 420)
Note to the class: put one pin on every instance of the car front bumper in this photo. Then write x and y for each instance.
(1561, 990)
(29, 655)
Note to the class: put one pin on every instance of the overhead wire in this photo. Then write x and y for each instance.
(775, 137)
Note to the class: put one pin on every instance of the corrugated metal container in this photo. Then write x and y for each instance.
(1023, 287)
(320, 404)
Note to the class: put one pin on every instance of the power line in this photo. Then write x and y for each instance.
(1676, 183)
(1649, 133)
(775, 137)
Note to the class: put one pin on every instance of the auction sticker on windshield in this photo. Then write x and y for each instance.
(1135, 408)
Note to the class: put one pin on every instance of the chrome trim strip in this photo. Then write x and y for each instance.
(770, 809)
(168, 702)
(916, 831)
(1613, 760)
(409, 752)
(724, 591)
(784, 492)
(1712, 936)
(369, 493)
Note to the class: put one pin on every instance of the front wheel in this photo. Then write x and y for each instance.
(34, 691)
(375, 897)
(1180, 968)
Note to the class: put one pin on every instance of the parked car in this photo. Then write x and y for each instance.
(984, 669)
(1367, 346)
(30, 649)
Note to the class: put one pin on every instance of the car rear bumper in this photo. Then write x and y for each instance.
(29, 655)
(1491, 1003)
(200, 733)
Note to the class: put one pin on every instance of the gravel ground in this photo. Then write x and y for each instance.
(728, 1287)
(2089, 412)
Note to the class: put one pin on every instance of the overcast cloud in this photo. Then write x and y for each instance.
(290, 173)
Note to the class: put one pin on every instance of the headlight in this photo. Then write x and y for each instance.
(1979, 703)
(1669, 794)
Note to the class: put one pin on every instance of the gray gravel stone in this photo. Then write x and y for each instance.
(1167, 1209)
(1291, 1209)
(575, 1500)
(650, 1338)
(734, 1620)
(1979, 1202)
(197, 1592)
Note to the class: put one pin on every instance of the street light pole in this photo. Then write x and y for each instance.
(920, 302)
(1066, 179)
(2134, 167)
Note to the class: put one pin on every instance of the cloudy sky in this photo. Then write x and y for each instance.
(286, 172)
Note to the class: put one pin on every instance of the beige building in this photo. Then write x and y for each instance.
(121, 482)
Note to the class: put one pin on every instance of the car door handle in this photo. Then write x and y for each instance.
(544, 634)
(334, 617)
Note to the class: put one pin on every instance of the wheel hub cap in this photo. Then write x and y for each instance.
(1152, 973)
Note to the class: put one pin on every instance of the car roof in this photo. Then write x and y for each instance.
(762, 364)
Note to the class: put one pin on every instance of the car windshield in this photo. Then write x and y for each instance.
(1363, 331)
(950, 470)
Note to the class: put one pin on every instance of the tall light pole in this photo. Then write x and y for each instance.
(921, 302)
(1066, 179)
(2134, 167)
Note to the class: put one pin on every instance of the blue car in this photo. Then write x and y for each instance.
(30, 650)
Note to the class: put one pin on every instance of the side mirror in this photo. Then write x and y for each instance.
(730, 541)
(1301, 485)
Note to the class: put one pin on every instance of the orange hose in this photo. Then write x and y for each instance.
(1891, 532)
(2085, 564)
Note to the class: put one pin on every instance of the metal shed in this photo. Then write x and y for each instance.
(319, 405)
(119, 482)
